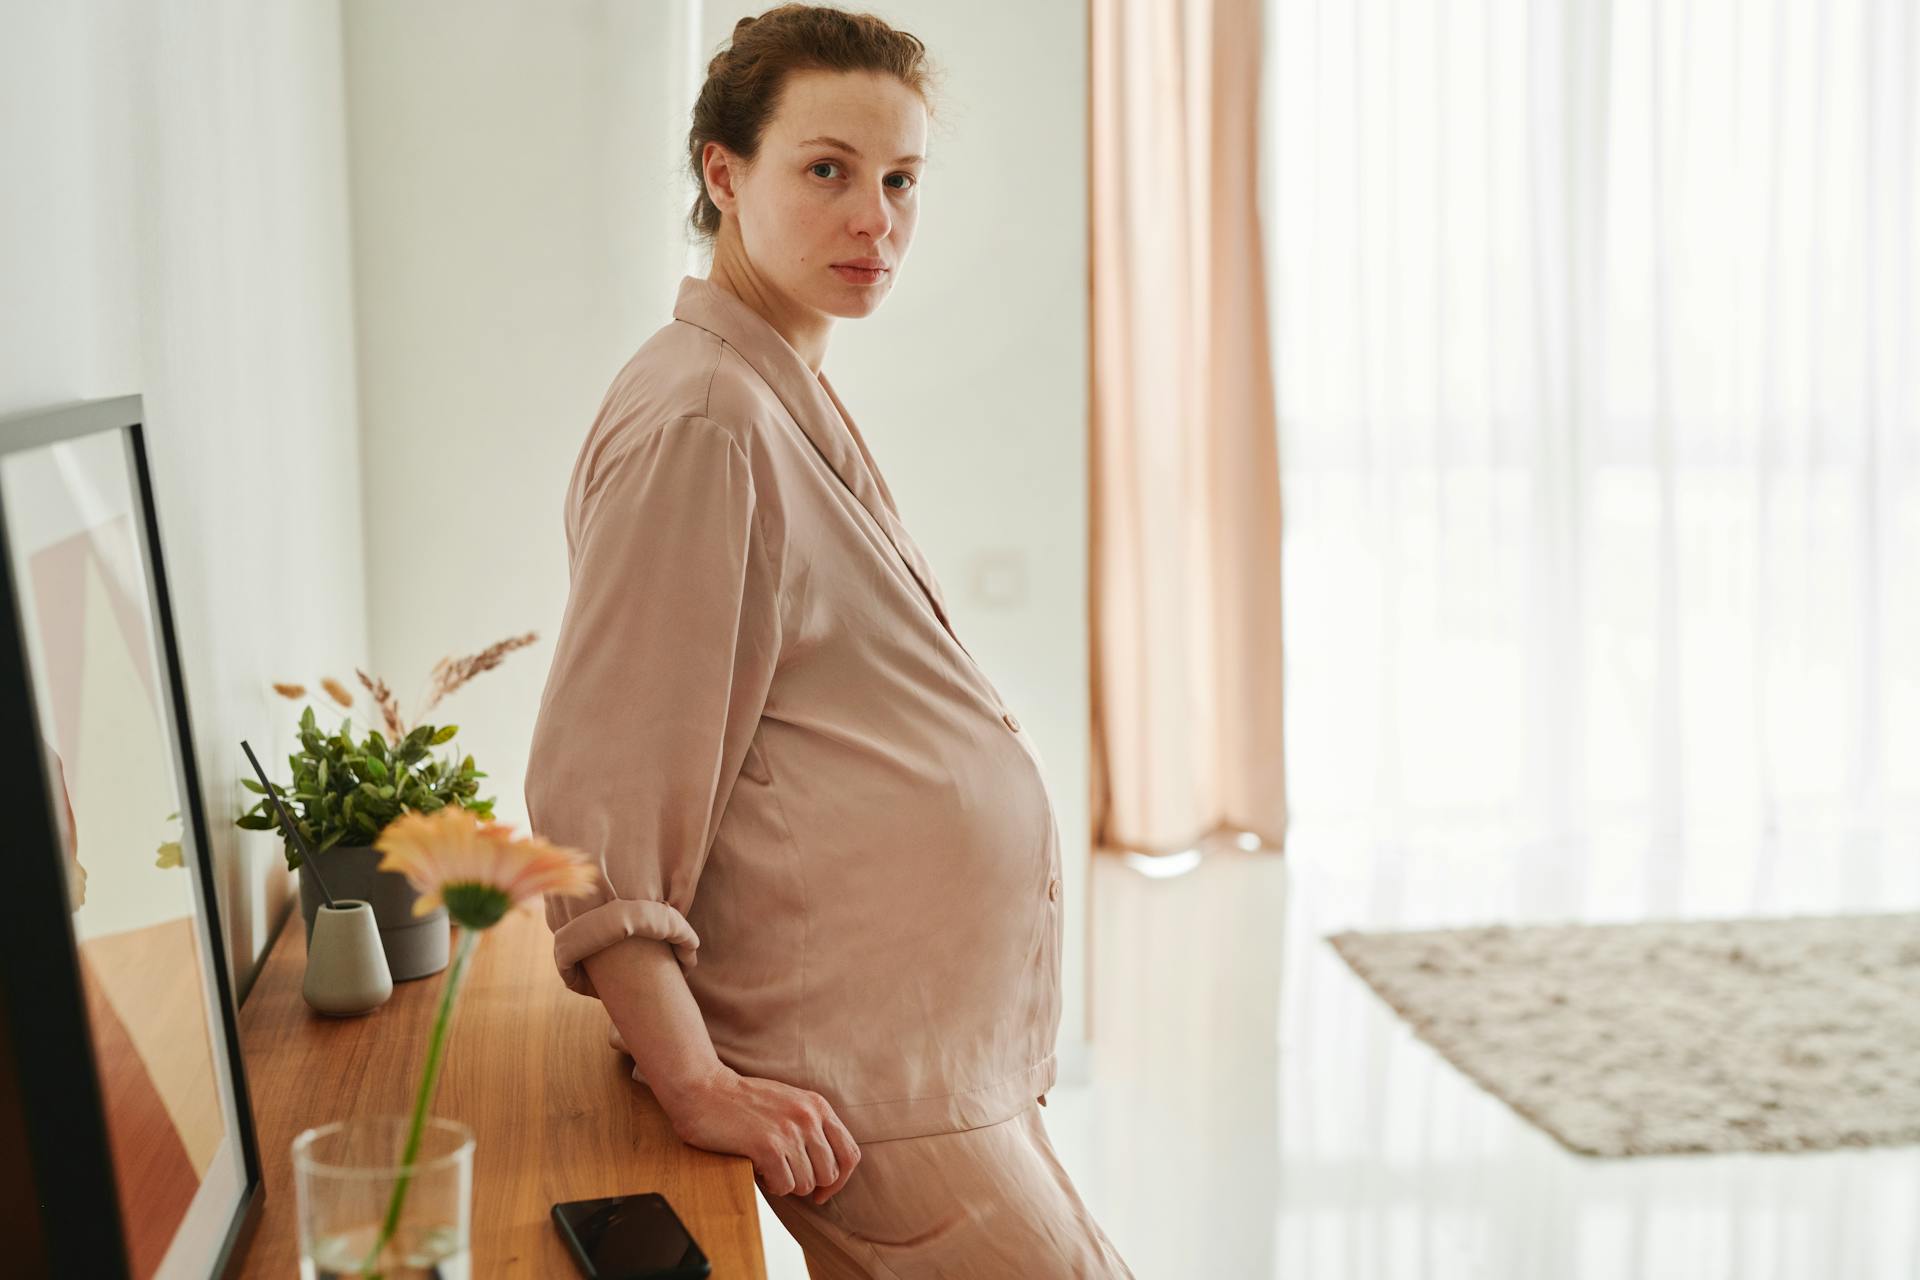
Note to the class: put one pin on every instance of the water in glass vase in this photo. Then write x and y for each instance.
(414, 1253)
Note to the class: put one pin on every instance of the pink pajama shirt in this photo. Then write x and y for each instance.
(761, 726)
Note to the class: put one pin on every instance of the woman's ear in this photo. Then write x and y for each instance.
(717, 165)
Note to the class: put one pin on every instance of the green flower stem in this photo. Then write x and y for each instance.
(429, 1078)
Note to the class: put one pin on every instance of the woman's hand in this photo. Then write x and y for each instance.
(797, 1144)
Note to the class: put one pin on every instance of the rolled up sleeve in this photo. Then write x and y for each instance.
(662, 667)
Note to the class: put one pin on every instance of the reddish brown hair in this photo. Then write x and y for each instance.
(744, 80)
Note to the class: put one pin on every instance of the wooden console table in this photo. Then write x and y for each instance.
(555, 1112)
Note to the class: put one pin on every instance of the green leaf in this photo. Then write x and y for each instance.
(347, 790)
(253, 786)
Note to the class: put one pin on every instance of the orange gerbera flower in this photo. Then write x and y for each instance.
(479, 869)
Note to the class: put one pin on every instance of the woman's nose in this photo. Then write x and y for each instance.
(873, 218)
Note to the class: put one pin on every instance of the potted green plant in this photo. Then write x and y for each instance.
(345, 791)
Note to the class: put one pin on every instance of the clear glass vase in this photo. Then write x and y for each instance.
(345, 1175)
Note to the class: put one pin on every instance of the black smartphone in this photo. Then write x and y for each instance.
(636, 1237)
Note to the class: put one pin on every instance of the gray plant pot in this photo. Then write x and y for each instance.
(416, 946)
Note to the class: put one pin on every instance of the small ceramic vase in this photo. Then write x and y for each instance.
(346, 966)
(416, 946)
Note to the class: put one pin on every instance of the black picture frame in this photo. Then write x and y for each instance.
(59, 1204)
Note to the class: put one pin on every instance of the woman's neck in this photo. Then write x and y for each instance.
(806, 330)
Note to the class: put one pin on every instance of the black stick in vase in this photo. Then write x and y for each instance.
(286, 820)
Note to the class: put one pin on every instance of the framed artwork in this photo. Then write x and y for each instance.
(126, 1134)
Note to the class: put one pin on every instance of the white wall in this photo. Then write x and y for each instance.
(514, 243)
(517, 209)
(173, 222)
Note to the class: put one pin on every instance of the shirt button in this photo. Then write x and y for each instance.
(1053, 888)
(1011, 722)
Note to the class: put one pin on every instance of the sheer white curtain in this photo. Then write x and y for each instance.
(1596, 349)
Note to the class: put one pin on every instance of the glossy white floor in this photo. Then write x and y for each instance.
(1257, 1112)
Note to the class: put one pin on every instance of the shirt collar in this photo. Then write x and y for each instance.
(807, 395)
(812, 402)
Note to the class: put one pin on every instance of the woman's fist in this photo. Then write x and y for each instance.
(797, 1144)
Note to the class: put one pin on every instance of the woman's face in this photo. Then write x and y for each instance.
(836, 183)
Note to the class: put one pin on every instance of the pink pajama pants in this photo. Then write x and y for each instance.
(991, 1203)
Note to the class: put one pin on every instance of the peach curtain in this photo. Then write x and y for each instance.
(1185, 502)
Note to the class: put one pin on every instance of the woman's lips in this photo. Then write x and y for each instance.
(860, 275)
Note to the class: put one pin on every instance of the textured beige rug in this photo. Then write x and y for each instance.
(1792, 1034)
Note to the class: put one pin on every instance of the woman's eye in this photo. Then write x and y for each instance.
(819, 165)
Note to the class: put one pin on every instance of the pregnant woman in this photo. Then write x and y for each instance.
(829, 919)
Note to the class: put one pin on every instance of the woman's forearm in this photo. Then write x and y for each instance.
(641, 984)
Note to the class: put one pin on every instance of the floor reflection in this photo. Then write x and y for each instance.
(1176, 1145)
